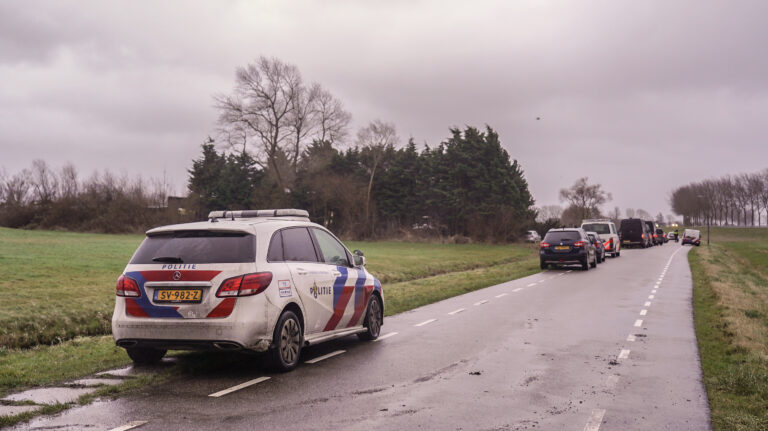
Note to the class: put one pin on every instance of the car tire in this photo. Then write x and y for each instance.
(373, 320)
(542, 265)
(145, 355)
(585, 265)
(594, 262)
(287, 341)
(617, 254)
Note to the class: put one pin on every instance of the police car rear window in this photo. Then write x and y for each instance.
(196, 246)
(600, 228)
(565, 236)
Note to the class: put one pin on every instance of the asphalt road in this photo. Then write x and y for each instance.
(610, 349)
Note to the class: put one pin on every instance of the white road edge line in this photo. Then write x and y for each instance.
(484, 301)
(324, 357)
(518, 289)
(647, 303)
(457, 311)
(638, 323)
(650, 297)
(631, 337)
(387, 335)
(238, 387)
(624, 354)
(426, 322)
(501, 295)
(643, 312)
(129, 425)
(595, 419)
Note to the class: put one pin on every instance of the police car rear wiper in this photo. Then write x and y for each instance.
(168, 259)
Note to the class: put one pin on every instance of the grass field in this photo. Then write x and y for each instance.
(57, 286)
(731, 317)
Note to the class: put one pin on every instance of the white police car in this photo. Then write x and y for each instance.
(263, 280)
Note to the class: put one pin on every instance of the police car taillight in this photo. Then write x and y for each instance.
(244, 285)
(127, 286)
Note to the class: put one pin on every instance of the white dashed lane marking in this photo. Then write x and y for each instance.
(484, 301)
(531, 285)
(624, 354)
(242, 386)
(518, 289)
(129, 426)
(426, 322)
(638, 323)
(595, 419)
(324, 357)
(457, 311)
(631, 337)
(650, 296)
(643, 312)
(611, 381)
(385, 336)
(501, 295)
(647, 303)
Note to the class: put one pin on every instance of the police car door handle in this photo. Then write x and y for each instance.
(336, 273)
(301, 271)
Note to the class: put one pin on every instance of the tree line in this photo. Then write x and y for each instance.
(42, 197)
(740, 200)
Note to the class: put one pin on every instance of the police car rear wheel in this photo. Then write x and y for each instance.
(145, 355)
(372, 321)
(287, 342)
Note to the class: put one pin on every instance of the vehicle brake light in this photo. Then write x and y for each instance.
(245, 285)
(642, 235)
(543, 245)
(578, 244)
(126, 286)
(655, 236)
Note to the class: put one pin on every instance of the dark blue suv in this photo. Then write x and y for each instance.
(567, 246)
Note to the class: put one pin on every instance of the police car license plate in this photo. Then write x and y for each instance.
(562, 247)
(626, 241)
(178, 295)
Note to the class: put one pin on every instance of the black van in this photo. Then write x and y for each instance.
(634, 232)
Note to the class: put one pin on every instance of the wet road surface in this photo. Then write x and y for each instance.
(612, 348)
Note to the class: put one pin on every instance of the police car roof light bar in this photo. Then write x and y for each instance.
(285, 212)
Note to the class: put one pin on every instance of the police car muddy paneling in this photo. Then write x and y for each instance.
(261, 280)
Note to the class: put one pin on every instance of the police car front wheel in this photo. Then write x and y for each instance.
(373, 320)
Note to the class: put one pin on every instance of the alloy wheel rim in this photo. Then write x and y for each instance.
(374, 324)
(289, 341)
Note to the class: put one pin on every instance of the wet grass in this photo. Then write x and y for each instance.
(731, 317)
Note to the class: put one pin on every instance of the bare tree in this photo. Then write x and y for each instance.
(45, 185)
(69, 185)
(17, 189)
(275, 114)
(616, 214)
(630, 212)
(374, 140)
(585, 198)
(643, 214)
(549, 212)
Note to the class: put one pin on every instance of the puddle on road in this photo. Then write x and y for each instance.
(50, 395)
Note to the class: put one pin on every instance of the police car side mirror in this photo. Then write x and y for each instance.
(359, 258)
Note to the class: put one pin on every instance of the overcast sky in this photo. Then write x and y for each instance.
(641, 96)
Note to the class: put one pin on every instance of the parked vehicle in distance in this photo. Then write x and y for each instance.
(567, 246)
(652, 231)
(634, 232)
(606, 231)
(599, 247)
(662, 236)
(671, 236)
(259, 280)
(692, 237)
(532, 236)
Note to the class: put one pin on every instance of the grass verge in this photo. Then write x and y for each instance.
(730, 296)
